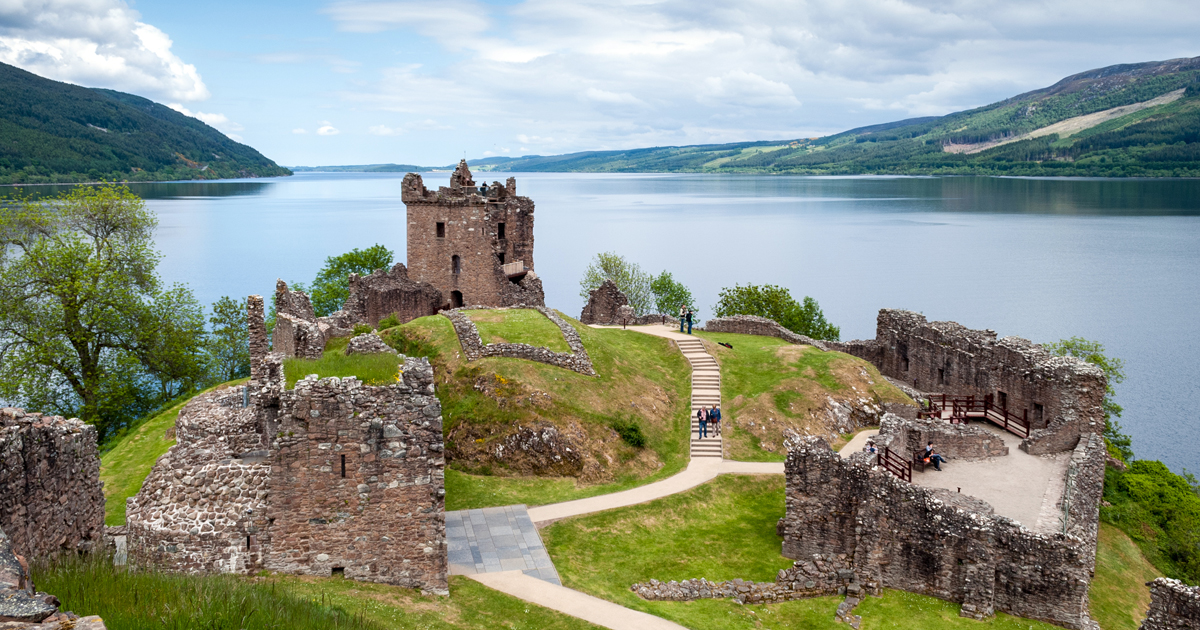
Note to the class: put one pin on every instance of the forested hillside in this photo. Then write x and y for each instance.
(1127, 120)
(57, 132)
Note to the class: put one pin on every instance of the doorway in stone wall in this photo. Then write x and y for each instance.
(456, 299)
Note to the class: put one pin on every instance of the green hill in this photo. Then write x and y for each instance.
(1126, 120)
(57, 132)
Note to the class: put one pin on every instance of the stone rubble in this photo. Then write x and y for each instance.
(369, 343)
(23, 607)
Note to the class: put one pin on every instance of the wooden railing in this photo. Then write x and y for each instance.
(895, 464)
(513, 269)
(962, 408)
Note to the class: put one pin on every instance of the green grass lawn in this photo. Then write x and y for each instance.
(518, 326)
(769, 386)
(372, 369)
(124, 467)
(129, 600)
(722, 530)
(641, 377)
(1118, 596)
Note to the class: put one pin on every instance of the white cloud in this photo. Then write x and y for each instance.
(327, 129)
(219, 121)
(98, 43)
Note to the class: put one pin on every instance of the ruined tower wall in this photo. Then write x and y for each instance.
(1173, 606)
(296, 332)
(936, 542)
(358, 481)
(471, 231)
(51, 499)
(1062, 395)
(384, 293)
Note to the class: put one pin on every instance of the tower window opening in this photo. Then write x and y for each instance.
(455, 264)
(500, 230)
(441, 230)
(343, 466)
(501, 254)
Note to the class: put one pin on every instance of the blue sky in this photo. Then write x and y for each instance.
(367, 81)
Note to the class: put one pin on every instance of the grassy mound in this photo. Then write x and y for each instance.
(769, 386)
(372, 369)
(124, 467)
(722, 530)
(129, 600)
(518, 326)
(1118, 597)
(642, 380)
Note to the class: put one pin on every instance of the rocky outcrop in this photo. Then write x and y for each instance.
(385, 293)
(22, 607)
(369, 343)
(51, 499)
(603, 305)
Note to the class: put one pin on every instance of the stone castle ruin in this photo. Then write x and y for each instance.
(333, 477)
(474, 244)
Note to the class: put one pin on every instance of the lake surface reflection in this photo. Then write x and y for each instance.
(1113, 260)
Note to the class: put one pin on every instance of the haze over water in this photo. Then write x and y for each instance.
(1117, 261)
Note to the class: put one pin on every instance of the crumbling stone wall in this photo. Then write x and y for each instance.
(385, 293)
(1061, 395)
(1173, 606)
(459, 239)
(603, 305)
(939, 543)
(296, 331)
(474, 349)
(755, 325)
(814, 577)
(51, 498)
(908, 437)
(369, 343)
(330, 477)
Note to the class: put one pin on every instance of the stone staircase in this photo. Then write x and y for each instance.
(706, 392)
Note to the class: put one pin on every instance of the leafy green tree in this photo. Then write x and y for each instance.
(1114, 369)
(81, 308)
(332, 285)
(229, 343)
(171, 342)
(670, 294)
(777, 303)
(628, 277)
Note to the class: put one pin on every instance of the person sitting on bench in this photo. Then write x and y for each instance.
(933, 458)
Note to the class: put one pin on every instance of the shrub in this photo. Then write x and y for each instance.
(391, 321)
(362, 329)
(630, 431)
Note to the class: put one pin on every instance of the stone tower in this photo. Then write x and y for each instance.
(472, 243)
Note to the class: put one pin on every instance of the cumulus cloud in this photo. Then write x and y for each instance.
(218, 121)
(327, 129)
(98, 43)
(566, 75)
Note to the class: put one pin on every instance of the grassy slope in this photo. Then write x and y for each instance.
(1118, 596)
(125, 466)
(776, 385)
(519, 326)
(639, 376)
(372, 369)
(722, 530)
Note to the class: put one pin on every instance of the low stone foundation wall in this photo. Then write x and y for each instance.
(815, 577)
(1173, 606)
(51, 498)
(473, 347)
(754, 325)
(954, 441)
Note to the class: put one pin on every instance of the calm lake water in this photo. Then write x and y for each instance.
(1112, 260)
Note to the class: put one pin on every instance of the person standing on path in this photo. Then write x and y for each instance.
(682, 315)
(716, 416)
(702, 418)
(689, 321)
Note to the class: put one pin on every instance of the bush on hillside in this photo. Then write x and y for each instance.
(1160, 510)
(630, 432)
(391, 321)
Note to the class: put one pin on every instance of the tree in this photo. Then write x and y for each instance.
(81, 309)
(1114, 369)
(172, 343)
(332, 285)
(777, 303)
(628, 277)
(229, 343)
(669, 295)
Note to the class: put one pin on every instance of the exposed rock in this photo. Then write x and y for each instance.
(19, 600)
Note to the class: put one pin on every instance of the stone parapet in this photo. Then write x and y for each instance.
(1173, 606)
(474, 349)
(51, 498)
(754, 325)
(955, 441)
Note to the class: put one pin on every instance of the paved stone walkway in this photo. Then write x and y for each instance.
(598, 611)
(497, 539)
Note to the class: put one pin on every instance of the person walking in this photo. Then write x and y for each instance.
(689, 321)
(682, 315)
(716, 412)
(702, 418)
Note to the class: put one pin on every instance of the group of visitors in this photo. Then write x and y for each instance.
(930, 457)
(709, 418)
(685, 317)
